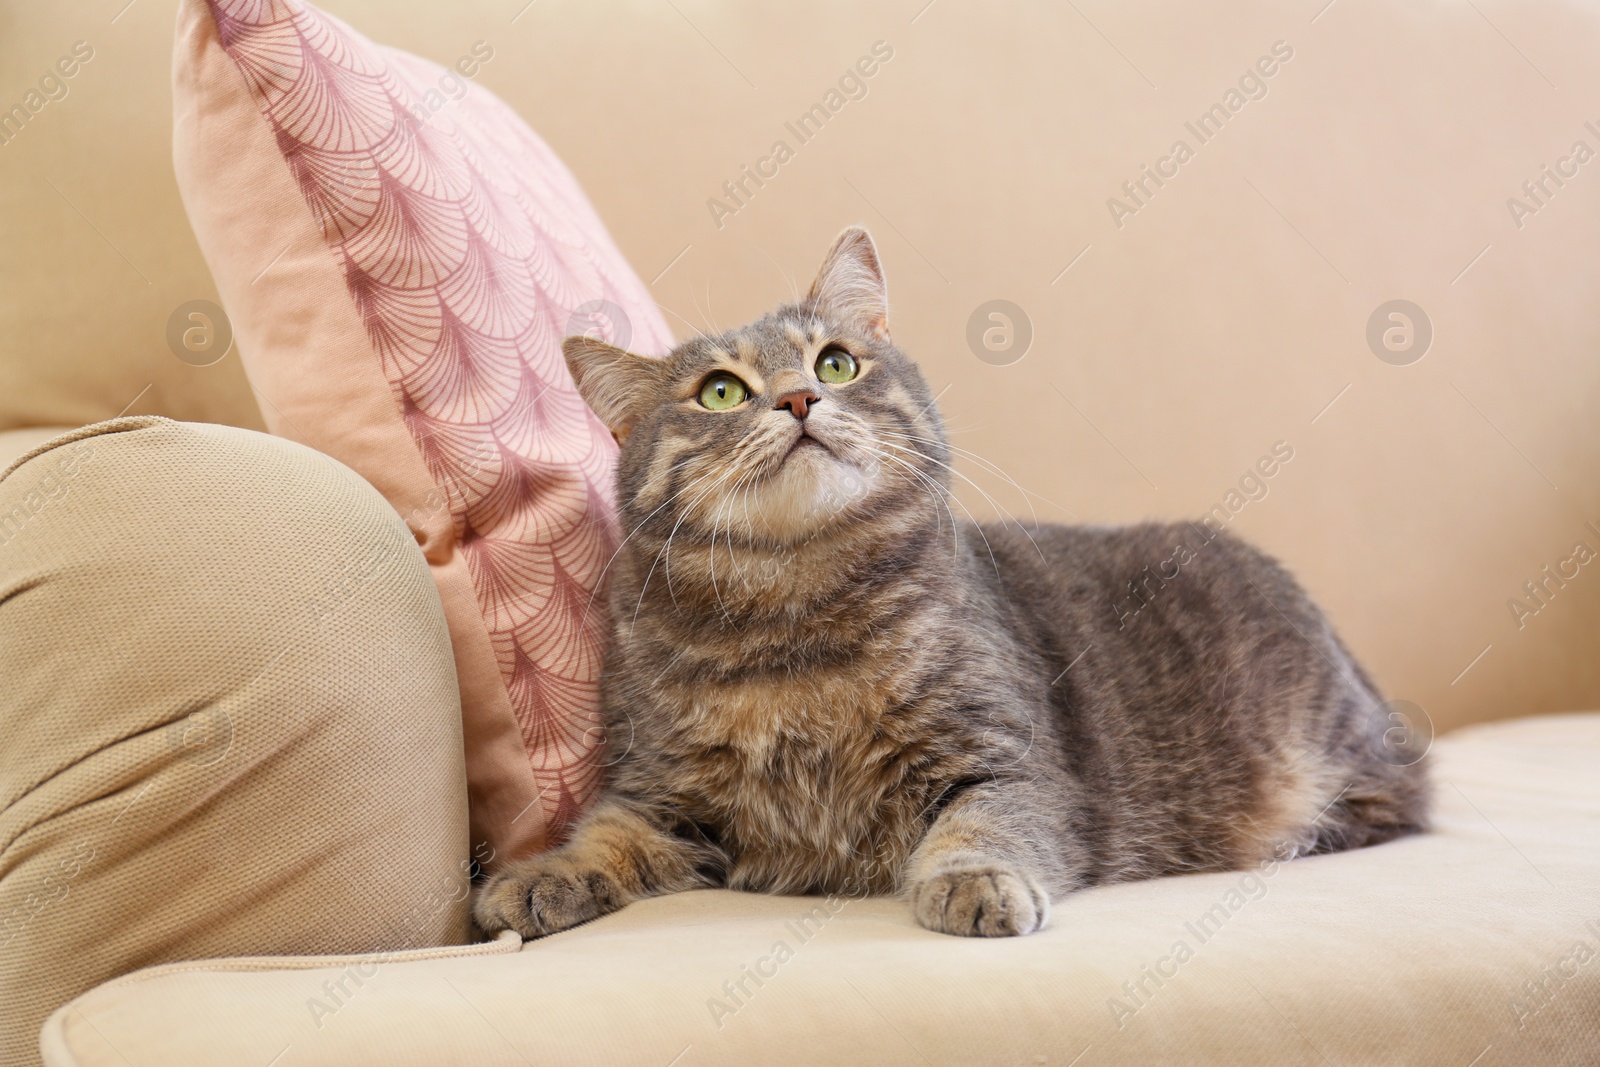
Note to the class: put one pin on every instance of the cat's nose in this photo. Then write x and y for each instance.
(797, 403)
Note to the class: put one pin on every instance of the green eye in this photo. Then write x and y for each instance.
(835, 365)
(723, 391)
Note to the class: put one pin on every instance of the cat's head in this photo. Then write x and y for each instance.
(774, 432)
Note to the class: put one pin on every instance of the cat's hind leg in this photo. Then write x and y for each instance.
(1379, 752)
(1379, 802)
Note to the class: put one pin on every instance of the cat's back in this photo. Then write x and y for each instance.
(1167, 577)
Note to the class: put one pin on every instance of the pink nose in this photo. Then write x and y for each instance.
(797, 403)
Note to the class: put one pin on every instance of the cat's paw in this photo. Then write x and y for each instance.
(981, 900)
(543, 895)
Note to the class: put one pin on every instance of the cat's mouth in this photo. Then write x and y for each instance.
(806, 443)
(809, 480)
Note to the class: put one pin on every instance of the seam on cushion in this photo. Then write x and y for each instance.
(508, 942)
(121, 424)
(53, 1047)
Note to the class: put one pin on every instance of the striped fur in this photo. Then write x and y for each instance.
(821, 681)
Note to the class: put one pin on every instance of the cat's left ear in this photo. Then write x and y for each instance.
(617, 385)
(850, 285)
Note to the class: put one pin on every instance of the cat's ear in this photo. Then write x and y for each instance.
(616, 384)
(850, 285)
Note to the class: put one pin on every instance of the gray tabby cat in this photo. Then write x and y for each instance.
(819, 681)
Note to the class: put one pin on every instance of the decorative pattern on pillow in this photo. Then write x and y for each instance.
(466, 248)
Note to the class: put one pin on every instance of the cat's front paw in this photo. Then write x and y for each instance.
(543, 895)
(981, 900)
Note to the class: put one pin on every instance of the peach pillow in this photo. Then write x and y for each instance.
(400, 257)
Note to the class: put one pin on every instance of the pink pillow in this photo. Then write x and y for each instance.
(400, 257)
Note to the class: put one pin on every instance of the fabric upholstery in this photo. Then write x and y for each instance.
(400, 277)
(228, 717)
(1477, 944)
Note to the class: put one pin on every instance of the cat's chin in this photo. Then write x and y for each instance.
(813, 489)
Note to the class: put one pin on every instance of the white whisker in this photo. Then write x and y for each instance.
(975, 524)
(988, 465)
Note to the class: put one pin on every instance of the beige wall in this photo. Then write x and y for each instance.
(1221, 318)
(97, 252)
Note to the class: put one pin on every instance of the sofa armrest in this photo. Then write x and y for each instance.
(229, 721)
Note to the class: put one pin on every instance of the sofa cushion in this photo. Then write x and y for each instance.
(401, 257)
(228, 717)
(1476, 944)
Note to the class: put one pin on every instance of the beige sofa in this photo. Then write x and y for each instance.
(215, 744)
(181, 590)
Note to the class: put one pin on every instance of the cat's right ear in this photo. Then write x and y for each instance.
(617, 385)
(850, 285)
